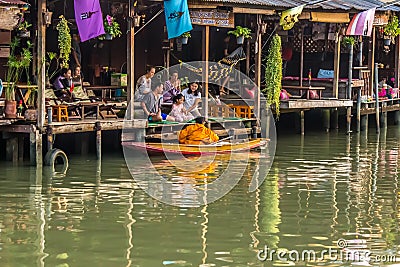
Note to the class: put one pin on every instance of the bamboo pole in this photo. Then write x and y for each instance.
(206, 44)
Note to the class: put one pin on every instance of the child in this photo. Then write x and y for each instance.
(178, 111)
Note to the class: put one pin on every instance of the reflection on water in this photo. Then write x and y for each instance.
(321, 188)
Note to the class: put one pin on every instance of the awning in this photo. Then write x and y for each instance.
(362, 23)
(330, 17)
(12, 2)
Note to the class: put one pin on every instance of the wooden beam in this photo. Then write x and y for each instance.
(258, 68)
(130, 64)
(336, 66)
(16, 128)
(206, 44)
(371, 61)
(41, 53)
(301, 55)
(244, 10)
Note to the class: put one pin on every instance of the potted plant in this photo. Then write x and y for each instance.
(64, 41)
(185, 37)
(241, 33)
(391, 30)
(348, 40)
(23, 29)
(16, 63)
(112, 29)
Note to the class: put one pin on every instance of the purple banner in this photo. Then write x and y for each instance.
(89, 19)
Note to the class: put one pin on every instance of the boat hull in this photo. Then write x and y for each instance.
(218, 148)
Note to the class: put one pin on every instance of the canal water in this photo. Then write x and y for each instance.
(321, 189)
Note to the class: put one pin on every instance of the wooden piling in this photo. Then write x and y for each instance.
(35, 147)
(12, 149)
(397, 117)
(383, 116)
(348, 119)
(335, 118)
(364, 122)
(326, 119)
(98, 140)
(20, 147)
(376, 96)
(302, 121)
(358, 109)
(50, 140)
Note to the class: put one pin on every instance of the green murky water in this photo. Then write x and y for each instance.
(321, 188)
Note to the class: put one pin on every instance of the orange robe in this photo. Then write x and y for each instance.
(195, 134)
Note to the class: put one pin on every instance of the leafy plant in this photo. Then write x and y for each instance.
(392, 28)
(241, 31)
(186, 34)
(64, 41)
(23, 26)
(16, 63)
(51, 57)
(111, 27)
(348, 40)
(273, 73)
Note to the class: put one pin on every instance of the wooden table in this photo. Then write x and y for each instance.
(104, 89)
(319, 89)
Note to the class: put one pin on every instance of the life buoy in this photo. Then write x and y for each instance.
(52, 155)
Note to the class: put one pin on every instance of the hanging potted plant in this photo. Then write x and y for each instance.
(16, 64)
(185, 37)
(64, 41)
(391, 30)
(23, 29)
(241, 33)
(112, 29)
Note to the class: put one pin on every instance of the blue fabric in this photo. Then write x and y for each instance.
(163, 116)
(177, 17)
(325, 73)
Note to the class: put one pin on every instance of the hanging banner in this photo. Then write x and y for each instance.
(290, 17)
(177, 17)
(212, 18)
(362, 23)
(89, 19)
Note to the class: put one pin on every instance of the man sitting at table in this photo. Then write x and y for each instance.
(63, 83)
(151, 104)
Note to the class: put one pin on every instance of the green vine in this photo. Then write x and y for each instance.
(273, 73)
(64, 41)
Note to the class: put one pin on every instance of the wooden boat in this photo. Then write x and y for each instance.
(215, 148)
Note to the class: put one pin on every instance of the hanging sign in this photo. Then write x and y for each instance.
(212, 18)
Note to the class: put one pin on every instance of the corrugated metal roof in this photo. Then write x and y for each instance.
(346, 5)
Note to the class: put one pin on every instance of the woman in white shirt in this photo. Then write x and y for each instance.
(192, 99)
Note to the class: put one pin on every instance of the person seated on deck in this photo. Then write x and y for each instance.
(77, 78)
(197, 134)
(63, 83)
(178, 110)
(192, 99)
(172, 87)
(143, 85)
(151, 105)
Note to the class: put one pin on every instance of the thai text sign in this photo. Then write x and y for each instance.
(212, 18)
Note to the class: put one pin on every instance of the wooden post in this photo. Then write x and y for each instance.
(350, 72)
(371, 61)
(41, 53)
(326, 116)
(364, 123)
(206, 44)
(98, 140)
(12, 149)
(336, 67)
(335, 118)
(130, 64)
(348, 119)
(397, 117)
(397, 62)
(376, 96)
(383, 116)
(302, 122)
(49, 138)
(258, 69)
(301, 55)
(35, 148)
(20, 147)
(358, 109)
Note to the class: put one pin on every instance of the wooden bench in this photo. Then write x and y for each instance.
(319, 89)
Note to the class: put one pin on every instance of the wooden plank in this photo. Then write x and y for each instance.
(244, 10)
(16, 128)
(308, 104)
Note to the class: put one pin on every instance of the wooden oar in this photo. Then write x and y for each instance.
(226, 138)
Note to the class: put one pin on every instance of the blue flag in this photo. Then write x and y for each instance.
(177, 17)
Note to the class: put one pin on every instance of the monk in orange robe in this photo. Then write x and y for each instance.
(197, 134)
